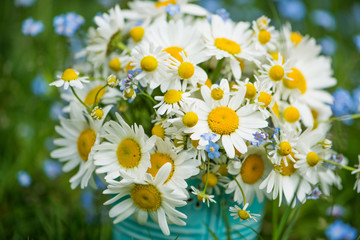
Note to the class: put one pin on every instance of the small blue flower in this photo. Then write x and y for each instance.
(225, 15)
(335, 211)
(24, 178)
(99, 183)
(56, 111)
(338, 158)
(208, 136)
(24, 3)
(260, 136)
(87, 199)
(340, 231)
(356, 100)
(39, 86)
(213, 150)
(294, 10)
(356, 40)
(315, 194)
(328, 45)
(172, 9)
(67, 24)
(52, 168)
(31, 27)
(323, 19)
(343, 104)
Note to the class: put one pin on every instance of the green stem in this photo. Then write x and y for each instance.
(275, 214)
(96, 95)
(217, 70)
(340, 165)
(341, 118)
(242, 191)
(146, 94)
(207, 176)
(123, 47)
(87, 107)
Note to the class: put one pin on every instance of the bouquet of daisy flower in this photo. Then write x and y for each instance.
(172, 101)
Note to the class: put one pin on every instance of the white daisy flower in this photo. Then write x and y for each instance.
(127, 148)
(79, 136)
(203, 196)
(172, 101)
(265, 37)
(70, 78)
(243, 214)
(218, 95)
(144, 197)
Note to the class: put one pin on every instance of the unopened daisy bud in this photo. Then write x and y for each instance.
(129, 93)
(326, 143)
(111, 81)
(97, 113)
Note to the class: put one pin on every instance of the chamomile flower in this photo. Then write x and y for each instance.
(243, 214)
(79, 136)
(70, 78)
(172, 101)
(127, 148)
(146, 196)
(217, 95)
(265, 37)
(203, 196)
(231, 122)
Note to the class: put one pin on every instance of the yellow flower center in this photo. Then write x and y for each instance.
(298, 81)
(90, 96)
(223, 171)
(85, 142)
(195, 143)
(276, 110)
(129, 92)
(223, 120)
(128, 153)
(158, 130)
(146, 197)
(97, 113)
(227, 45)
(233, 87)
(291, 114)
(284, 148)
(295, 38)
(264, 37)
(252, 169)
(312, 159)
(111, 81)
(289, 169)
(69, 75)
(164, 3)
(208, 83)
(243, 214)
(212, 179)
(275, 56)
(137, 33)
(190, 119)
(129, 67)
(250, 91)
(115, 64)
(157, 161)
(186, 70)
(217, 93)
(276, 73)
(172, 96)
(175, 52)
(264, 98)
(149, 64)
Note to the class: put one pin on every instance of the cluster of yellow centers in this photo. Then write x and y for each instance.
(227, 45)
(212, 179)
(164, 3)
(146, 197)
(186, 70)
(264, 37)
(250, 91)
(190, 119)
(158, 130)
(128, 153)
(90, 96)
(217, 93)
(115, 64)
(284, 148)
(137, 33)
(291, 114)
(85, 142)
(223, 120)
(157, 161)
(252, 169)
(312, 159)
(276, 73)
(149, 63)
(172, 96)
(69, 75)
(97, 113)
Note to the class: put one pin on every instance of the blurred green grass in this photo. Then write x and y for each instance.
(49, 209)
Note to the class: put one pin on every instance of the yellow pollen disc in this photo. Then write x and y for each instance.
(264, 98)
(149, 63)
(186, 70)
(295, 38)
(85, 142)
(217, 93)
(157, 161)
(298, 81)
(159, 131)
(115, 64)
(264, 37)
(223, 120)
(129, 67)
(312, 159)
(195, 143)
(243, 214)
(175, 52)
(252, 169)
(287, 170)
(250, 91)
(227, 45)
(275, 56)
(172, 96)
(291, 114)
(276, 73)
(212, 179)
(190, 119)
(233, 86)
(97, 113)
(284, 148)
(90, 97)
(69, 75)
(208, 83)
(223, 171)
(129, 92)
(146, 197)
(276, 110)
(164, 3)
(128, 153)
(137, 33)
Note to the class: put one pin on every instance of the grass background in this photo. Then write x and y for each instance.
(48, 208)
